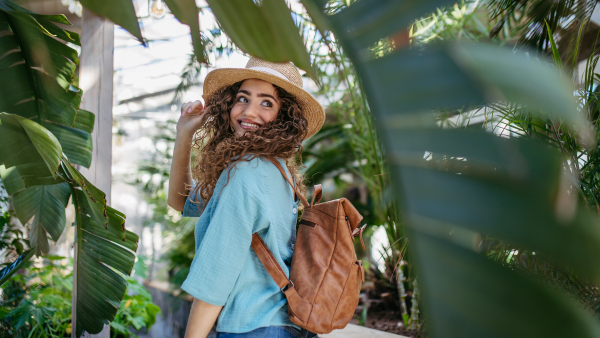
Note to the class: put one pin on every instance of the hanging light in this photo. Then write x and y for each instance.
(157, 9)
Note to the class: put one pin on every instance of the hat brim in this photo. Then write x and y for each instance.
(223, 77)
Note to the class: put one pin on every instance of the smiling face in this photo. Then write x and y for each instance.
(256, 103)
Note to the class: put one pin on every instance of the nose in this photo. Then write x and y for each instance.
(252, 109)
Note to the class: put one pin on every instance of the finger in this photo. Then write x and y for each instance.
(197, 106)
(184, 107)
(189, 107)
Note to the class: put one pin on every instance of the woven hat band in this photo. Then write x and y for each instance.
(270, 71)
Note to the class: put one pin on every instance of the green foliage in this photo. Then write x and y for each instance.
(136, 310)
(266, 30)
(122, 13)
(12, 238)
(38, 87)
(13, 243)
(40, 117)
(531, 20)
(46, 204)
(515, 120)
(351, 145)
(10, 268)
(187, 13)
(580, 168)
(463, 21)
(38, 304)
(118, 11)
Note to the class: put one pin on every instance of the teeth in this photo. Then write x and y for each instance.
(251, 125)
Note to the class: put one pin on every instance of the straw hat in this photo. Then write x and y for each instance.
(283, 75)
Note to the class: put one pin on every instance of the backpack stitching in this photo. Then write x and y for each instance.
(345, 285)
(328, 268)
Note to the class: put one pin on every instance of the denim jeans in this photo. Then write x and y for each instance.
(271, 332)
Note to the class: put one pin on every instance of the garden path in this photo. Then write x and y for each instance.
(175, 312)
(356, 331)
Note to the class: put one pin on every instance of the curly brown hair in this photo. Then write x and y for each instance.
(219, 146)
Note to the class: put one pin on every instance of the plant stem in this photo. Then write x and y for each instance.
(414, 309)
(77, 244)
(402, 293)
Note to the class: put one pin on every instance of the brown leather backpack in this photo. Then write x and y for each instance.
(325, 276)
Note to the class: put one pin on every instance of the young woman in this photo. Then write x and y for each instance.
(251, 114)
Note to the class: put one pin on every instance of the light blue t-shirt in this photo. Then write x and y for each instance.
(225, 270)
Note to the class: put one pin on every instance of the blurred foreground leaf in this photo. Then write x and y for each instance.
(265, 30)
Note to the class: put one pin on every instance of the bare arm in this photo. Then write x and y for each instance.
(180, 177)
(202, 318)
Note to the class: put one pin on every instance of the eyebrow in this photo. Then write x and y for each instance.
(259, 95)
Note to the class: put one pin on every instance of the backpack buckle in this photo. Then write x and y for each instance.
(287, 286)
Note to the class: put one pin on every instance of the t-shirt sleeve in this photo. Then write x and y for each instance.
(194, 206)
(219, 259)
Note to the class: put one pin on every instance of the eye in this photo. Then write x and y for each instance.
(267, 103)
(242, 99)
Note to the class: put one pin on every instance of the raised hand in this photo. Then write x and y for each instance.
(180, 178)
(191, 118)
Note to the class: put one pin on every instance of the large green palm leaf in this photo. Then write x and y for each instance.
(46, 204)
(123, 13)
(37, 71)
(101, 249)
(40, 125)
(506, 188)
(265, 30)
(104, 246)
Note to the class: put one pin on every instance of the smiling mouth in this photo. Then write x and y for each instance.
(246, 125)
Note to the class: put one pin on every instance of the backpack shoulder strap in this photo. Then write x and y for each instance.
(270, 263)
(278, 165)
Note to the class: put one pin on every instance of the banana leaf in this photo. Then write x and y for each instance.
(42, 135)
(266, 30)
(104, 251)
(46, 204)
(37, 71)
(187, 13)
(120, 12)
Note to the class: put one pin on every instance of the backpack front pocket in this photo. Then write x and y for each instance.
(349, 299)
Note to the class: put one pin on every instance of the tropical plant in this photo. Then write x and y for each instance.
(531, 20)
(516, 121)
(467, 21)
(12, 239)
(43, 135)
(136, 310)
(581, 166)
(38, 304)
